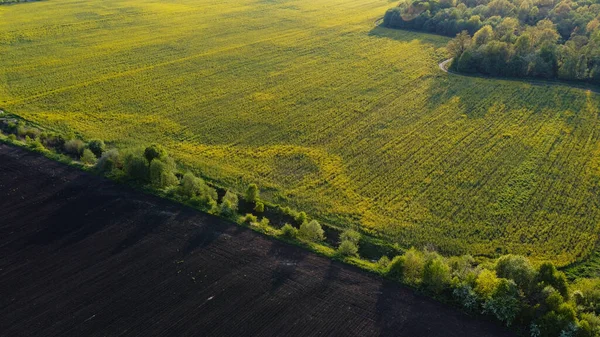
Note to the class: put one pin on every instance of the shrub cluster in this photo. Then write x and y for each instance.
(511, 290)
(42, 141)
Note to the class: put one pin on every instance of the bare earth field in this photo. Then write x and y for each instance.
(83, 256)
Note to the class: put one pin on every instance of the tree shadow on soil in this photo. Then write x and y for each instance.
(145, 225)
(330, 276)
(201, 237)
(79, 214)
(394, 315)
(287, 259)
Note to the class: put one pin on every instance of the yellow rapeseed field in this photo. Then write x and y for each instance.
(356, 125)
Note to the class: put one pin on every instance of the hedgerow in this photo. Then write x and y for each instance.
(510, 289)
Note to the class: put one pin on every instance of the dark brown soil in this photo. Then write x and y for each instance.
(83, 256)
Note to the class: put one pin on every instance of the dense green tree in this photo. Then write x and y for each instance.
(136, 167)
(547, 275)
(414, 262)
(350, 235)
(162, 173)
(97, 147)
(259, 207)
(516, 268)
(154, 151)
(483, 36)
(396, 268)
(229, 204)
(252, 193)
(504, 303)
(486, 283)
(312, 231)
(347, 248)
(289, 231)
(192, 186)
(436, 273)
(459, 44)
(495, 57)
(74, 147)
(110, 160)
(88, 157)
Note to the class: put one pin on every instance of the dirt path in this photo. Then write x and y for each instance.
(83, 256)
(444, 65)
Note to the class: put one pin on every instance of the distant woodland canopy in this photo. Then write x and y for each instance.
(521, 38)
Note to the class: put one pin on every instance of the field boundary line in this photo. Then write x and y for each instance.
(444, 67)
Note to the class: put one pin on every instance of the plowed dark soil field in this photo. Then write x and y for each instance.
(83, 256)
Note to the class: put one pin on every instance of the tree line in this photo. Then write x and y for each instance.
(548, 39)
(537, 299)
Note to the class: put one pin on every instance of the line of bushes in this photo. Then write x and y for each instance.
(538, 301)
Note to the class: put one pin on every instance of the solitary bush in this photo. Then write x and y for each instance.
(289, 231)
(347, 248)
(260, 207)
(162, 173)
(252, 193)
(154, 151)
(88, 157)
(97, 147)
(351, 235)
(312, 231)
(74, 147)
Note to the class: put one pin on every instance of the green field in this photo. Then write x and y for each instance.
(354, 124)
